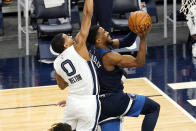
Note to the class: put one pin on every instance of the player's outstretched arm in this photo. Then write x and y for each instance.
(125, 41)
(86, 23)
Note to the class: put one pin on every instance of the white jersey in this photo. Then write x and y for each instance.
(77, 72)
(82, 104)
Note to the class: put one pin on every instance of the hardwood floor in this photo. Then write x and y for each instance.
(33, 109)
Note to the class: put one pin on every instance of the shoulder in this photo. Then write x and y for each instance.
(56, 61)
(102, 51)
(79, 39)
(80, 42)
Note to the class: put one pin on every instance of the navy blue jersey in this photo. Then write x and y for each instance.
(110, 81)
(114, 102)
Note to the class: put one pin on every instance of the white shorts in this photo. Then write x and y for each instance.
(82, 112)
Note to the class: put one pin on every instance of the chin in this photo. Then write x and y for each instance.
(109, 43)
(109, 38)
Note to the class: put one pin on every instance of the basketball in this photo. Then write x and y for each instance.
(137, 19)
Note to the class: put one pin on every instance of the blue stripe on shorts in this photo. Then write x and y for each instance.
(137, 106)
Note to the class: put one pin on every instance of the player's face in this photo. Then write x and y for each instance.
(68, 40)
(104, 34)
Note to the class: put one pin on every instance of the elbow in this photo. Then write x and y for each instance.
(62, 87)
(141, 64)
(89, 12)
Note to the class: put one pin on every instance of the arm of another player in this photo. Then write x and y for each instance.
(86, 23)
(125, 41)
(115, 59)
(61, 83)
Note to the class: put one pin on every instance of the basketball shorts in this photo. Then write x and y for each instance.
(117, 105)
(82, 112)
(134, 111)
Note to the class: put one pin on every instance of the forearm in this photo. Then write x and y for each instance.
(88, 8)
(86, 23)
(141, 54)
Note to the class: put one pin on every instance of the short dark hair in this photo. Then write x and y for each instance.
(93, 34)
(60, 127)
(57, 43)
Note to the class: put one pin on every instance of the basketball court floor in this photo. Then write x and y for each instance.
(29, 93)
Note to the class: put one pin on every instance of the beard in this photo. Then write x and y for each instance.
(109, 43)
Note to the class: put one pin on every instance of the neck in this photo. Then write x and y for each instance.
(105, 46)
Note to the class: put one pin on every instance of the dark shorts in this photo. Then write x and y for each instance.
(117, 105)
(113, 105)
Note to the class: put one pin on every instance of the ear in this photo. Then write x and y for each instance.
(98, 40)
(65, 45)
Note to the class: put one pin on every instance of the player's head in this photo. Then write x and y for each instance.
(60, 42)
(60, 127)
(98, 36)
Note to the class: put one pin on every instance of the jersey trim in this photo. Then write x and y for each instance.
(97, 114)
(95, 79)
(122, 115)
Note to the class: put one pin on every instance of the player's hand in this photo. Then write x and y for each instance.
(145, 29)
(61, 103)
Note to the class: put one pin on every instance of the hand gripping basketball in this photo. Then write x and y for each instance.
(138, 20)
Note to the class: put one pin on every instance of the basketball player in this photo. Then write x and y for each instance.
(114, 102)
(74, 69)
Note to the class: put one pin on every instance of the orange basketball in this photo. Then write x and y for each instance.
(137, 19)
